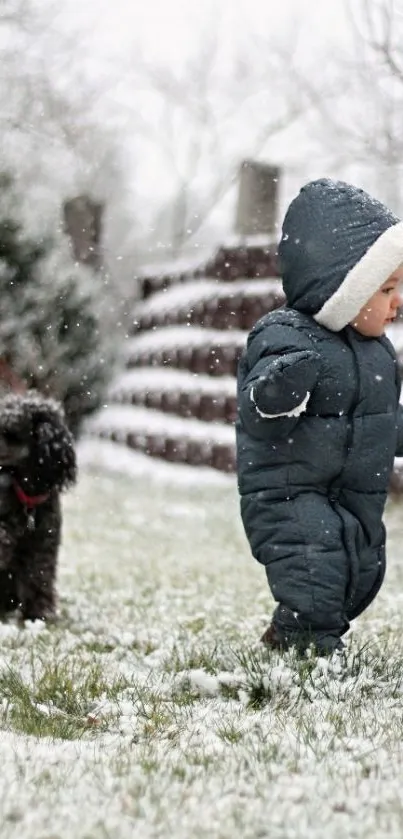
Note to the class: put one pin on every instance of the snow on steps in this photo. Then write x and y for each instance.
(178, 392)
(155, 277)
(229, 263)
(189, 333)
(172, 438)
(193, 348)
(210, 303)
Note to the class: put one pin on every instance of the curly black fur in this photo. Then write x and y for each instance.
(37, 462)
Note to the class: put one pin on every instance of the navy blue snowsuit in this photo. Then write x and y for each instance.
(319, 421)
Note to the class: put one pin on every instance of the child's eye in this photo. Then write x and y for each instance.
(388, 290)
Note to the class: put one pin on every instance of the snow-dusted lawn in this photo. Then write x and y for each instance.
(151, 711)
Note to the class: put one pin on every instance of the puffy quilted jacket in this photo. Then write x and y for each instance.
(319, 421)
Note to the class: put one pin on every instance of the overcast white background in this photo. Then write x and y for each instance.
(110, 34)
(113, 58)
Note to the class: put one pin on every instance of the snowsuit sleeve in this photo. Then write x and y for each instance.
(277, 375)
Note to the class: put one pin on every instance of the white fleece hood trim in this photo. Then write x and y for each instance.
(363, 280)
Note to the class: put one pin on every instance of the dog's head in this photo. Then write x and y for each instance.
(35, 442)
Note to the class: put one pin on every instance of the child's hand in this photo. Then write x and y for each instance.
(285, 384)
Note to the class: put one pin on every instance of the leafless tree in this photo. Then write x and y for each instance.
(208, 115)
(50, 132)
(362, 130)
(55, 135)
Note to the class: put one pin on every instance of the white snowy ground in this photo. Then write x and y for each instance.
(151, 711)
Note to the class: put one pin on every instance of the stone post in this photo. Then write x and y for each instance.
(257, 206)
(83, 224)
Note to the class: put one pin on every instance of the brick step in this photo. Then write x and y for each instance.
(178, 440)
(153, 278)
(227, 264)
(233, 261)
(192, 348)
(211, 304)
(396, 482)
(172, 391)
(150, 283)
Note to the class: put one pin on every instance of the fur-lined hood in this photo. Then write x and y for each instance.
(338, 247)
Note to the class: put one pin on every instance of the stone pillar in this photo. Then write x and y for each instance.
(83, 224)
(257, 199)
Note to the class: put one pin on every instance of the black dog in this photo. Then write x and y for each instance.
(37, 462)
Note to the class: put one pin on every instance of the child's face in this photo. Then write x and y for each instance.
(381, 308)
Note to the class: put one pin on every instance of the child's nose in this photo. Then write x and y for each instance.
(397, 300)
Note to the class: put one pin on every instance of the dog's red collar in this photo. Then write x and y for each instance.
(29, 501)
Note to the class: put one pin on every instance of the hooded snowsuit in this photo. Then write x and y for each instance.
(319, 421)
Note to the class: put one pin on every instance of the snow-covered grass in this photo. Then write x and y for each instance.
(150, 709)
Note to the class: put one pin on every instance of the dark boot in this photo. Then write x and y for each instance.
(271, 639)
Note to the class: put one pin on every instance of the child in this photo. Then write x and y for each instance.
(319, 422)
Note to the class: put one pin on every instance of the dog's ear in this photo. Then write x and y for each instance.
(55, 453)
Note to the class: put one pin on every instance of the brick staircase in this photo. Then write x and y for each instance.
(176, 397)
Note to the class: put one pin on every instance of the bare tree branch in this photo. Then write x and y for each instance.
(212, 116)
(365, 115)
